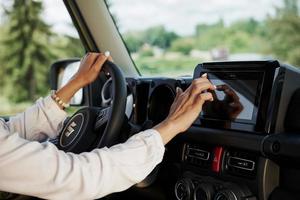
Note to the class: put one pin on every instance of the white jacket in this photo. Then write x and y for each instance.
(40, 169)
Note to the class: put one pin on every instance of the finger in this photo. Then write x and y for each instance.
(199, 80)
(99, 62)
(204, 75)
(84, 57)
(91, 58)
(107, 54)
(110, 59)
(179, 91)
(202, 87)
(203, 97)
(203, 80)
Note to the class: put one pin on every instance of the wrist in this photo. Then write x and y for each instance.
(167, 130)
(77, 83)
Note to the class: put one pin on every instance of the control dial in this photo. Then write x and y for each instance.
(204, 191)
(225, 195)
(184, 189)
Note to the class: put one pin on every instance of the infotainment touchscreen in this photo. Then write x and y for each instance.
(236, 97)
(242, 100)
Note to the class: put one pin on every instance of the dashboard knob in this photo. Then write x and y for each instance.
(204, 191)
(184, 189)
(225, 195)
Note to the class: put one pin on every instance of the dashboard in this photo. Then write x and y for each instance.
(235, 149)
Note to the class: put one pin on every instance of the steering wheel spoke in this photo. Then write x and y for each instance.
(102, 118)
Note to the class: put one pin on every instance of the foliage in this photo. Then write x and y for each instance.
(284, 31)
(159, 36)
(165, 66)
(134, 41)
(155, 36)
(27, 48)
(28, 55)
(183, 45)
(276, 36)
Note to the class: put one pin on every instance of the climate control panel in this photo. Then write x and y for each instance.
(195, 187)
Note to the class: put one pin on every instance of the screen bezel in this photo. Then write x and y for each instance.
(268, 68)
(238, 75)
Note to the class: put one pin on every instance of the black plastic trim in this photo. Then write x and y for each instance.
(80, 24)
(238, 139)
(283, 148)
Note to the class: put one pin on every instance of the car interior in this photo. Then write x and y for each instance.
(245, 145)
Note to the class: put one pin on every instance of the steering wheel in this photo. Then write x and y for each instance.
(96, 127)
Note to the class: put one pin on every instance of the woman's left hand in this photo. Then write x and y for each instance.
(90, 66)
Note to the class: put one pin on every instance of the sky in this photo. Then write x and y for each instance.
(180, 16)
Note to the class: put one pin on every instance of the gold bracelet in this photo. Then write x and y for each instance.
(58, 100)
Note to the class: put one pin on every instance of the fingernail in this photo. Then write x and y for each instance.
(107, 53)
(204, 75)
(177, 89)
(215, 86)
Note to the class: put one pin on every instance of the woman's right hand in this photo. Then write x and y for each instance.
(185, 108)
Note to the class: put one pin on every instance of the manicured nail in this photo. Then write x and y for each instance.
(204, 75)
(107, 53)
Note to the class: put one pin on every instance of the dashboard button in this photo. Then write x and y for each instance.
(216, 164)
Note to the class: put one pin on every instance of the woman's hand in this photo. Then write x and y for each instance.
(89, 69)
(185, 108)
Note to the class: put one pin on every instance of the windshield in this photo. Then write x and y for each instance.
(171, 37)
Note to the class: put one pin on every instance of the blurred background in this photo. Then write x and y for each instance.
(164, 37)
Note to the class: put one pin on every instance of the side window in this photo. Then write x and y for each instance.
(33, 34)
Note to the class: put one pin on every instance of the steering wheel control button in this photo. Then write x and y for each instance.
(217, 161)
(102, 117)
(71, 130)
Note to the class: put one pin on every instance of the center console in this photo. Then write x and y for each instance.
(245, 95)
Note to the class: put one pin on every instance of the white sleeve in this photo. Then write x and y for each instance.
(41, 170)
(42, 120)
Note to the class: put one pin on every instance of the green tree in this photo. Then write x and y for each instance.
(183, 45)
(133, 40)
(159, 36)
(66, 46)
(284, 31)
(27, 57)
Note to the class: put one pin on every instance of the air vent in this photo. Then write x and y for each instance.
(198, 155)
(240, 163)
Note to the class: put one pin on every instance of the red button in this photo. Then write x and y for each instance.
(217, 161)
